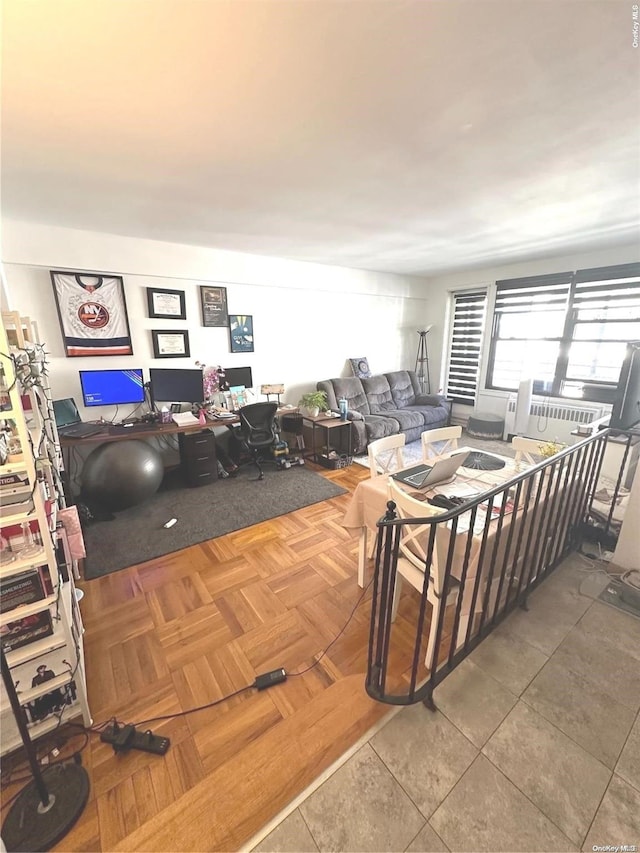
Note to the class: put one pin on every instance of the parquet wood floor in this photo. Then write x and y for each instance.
(194, 626)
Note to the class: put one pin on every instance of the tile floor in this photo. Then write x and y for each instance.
(535, 744)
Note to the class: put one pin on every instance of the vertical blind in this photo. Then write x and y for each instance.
(466, 341)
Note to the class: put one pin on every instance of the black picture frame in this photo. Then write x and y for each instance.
(92, 311)
(166, 304)
(241, 332)
(213, 301)
(170, 343)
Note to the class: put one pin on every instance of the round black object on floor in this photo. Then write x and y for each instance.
(30, 827)
(483, 461)
(484, 425)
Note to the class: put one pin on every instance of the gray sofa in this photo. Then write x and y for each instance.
(385, 405)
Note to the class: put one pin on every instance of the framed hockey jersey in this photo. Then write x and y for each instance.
(92, 312)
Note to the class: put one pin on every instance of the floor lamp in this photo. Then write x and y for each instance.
(422, 362)
(49, 805)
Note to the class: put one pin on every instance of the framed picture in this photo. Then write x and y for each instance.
(93, 313)
(170, 344)
(214, 306)
(241, 332)
(166, 304)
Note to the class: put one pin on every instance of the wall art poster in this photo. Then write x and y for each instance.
(214, 306)
(241, 332)
(93, 313)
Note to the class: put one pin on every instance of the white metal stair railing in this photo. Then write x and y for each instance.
(552, 419)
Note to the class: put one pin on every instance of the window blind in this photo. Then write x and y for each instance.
(466, 342)
(609, 290)
(537, 293)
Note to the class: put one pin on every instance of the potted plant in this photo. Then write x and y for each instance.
(313, 402)
(550, 448)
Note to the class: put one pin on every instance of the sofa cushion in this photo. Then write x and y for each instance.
(432, 415)
(379, 426)
(378, 394)
(404, 388)
(350, 388)
(409, 418)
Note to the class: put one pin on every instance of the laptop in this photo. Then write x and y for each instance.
(424, 476)
(69, 422)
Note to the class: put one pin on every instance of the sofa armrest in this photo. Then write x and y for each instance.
(430, 399)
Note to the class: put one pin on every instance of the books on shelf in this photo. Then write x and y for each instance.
(15, 494)
(33, 679)
(15, 635)
(23, 588)
(13, 484)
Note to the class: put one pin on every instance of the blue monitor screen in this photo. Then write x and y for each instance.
(111, 387)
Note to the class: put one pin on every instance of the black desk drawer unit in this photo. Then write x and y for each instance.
(198, 457)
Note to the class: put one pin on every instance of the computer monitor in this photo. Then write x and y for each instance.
(177, 385)
(112, 387)
(237, 376)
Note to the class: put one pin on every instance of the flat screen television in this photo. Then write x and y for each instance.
(237, 376)
(176, 385)
(625, 413)
(112, 387)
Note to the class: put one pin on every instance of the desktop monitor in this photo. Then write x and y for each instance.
(112, 387)
(625, 413)
(234, 376)
(177, 385)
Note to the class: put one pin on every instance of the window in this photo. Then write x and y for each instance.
(565, 330)
(466, 341)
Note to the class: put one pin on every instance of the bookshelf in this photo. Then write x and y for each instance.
(40, 620)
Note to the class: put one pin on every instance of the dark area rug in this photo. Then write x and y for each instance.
(138, 534)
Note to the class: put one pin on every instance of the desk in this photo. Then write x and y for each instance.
(369, 500)
(156, 430)
(199, 464)
(153, 431)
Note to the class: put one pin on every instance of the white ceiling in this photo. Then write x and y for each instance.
(411, 137)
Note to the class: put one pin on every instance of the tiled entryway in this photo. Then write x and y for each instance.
(535, 745)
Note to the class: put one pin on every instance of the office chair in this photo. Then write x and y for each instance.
(258, 430)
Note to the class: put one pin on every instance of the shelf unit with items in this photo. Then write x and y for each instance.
(40, 623)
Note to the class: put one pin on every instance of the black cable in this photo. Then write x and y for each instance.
(101, 726)
(10, 779)
(316, 662)
(193, 710)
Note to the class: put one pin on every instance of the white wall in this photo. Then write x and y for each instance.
(308, 318)
(440, 287)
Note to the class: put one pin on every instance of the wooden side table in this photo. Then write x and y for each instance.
(334, 450)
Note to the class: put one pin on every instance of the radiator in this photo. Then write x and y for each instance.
(553, 419)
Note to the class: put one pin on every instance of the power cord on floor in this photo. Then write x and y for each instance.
(124, 736)
(49, 758)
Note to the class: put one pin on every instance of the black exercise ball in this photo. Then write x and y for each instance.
(121, 474)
